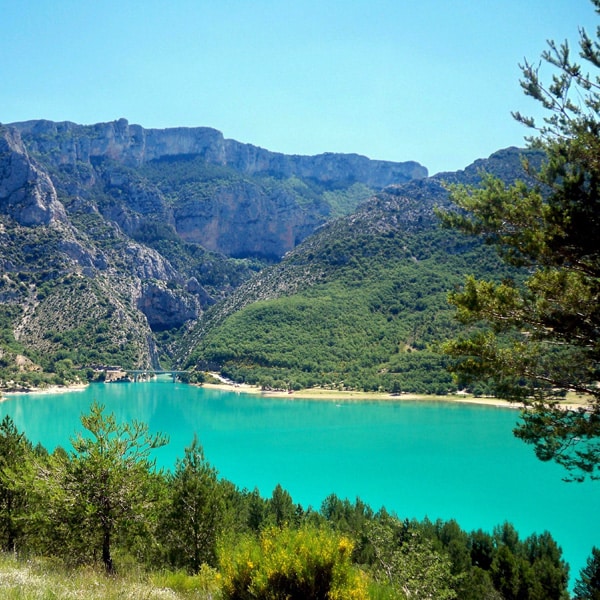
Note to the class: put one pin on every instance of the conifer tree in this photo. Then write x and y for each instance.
(103, 485)
(543, 334)
(194, 516)
(14, 452)
(587, 587)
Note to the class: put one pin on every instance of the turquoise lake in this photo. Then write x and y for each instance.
(435, 459)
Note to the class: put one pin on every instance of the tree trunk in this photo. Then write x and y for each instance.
(106, 557)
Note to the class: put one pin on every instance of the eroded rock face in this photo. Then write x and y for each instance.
(26, 192)
(239, 217)
(166, 308)
(133, 145)
(146, 263)
(243, 220)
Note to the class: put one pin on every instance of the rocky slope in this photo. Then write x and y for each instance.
(111, 234)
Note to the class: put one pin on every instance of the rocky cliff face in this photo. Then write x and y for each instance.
(133, 145)
(111, 234)
(232, 198)
(26, 192)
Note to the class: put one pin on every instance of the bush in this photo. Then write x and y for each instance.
(292, 563)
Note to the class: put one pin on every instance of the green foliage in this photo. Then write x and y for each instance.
(292, 563)
(344, 201)
(204, 584)
(587, 586)
(409, 562)
(192, 520)
(543, 334)
(373, 321)
(15, 451)
(99, 489)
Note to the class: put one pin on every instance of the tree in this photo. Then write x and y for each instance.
(587, 587)
(14, 451)
(104, 484)
(408, 561)
(543, 328)
(195, 513)
(281, 507)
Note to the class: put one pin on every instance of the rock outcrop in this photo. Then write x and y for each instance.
(133, 145)
(167, 308)
(26, 192)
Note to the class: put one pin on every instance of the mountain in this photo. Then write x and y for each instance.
(115, 238)
(362, 303)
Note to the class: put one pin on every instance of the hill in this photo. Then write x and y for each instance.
(360, 304)
(114, 238)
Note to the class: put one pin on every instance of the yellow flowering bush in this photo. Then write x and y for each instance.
(292, 564)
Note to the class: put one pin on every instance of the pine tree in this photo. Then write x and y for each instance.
(543, 335)
(92, 494)
(194, 516)
(587, 587)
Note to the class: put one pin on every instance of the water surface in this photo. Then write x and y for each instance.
(434, 459)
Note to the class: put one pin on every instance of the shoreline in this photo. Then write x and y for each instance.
(321, 394)
(357, 396)
(51, 389)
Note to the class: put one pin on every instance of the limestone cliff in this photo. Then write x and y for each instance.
(233, 198)
(133, 145)
(26, 191)
(114, 237)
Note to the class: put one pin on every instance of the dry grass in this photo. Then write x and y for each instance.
(42, 579)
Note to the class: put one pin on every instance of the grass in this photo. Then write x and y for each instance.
(45, 579)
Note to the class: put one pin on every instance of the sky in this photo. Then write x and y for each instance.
(432, 81)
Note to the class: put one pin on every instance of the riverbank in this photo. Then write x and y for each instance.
(354, 396)
(573, 402)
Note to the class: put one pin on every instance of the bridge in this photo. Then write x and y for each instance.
(136, 373)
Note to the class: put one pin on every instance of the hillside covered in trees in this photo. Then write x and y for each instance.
(360, 304)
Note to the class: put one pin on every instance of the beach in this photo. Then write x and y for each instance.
(572, 402)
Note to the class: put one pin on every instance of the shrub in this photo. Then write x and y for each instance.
(292, 563)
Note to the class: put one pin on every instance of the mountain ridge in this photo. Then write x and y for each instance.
(105, 256)
(134, 145)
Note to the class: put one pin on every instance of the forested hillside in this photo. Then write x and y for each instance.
(361, 304)
(115, 239)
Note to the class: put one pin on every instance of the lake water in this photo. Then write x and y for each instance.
(434, 459)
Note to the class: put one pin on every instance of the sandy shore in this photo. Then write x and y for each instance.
(51, 389)
(324, 394)
(572, 403)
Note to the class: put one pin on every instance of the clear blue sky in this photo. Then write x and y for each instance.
(427, 80)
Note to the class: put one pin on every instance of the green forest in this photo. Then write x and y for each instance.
(370, 315)
(102, 506)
